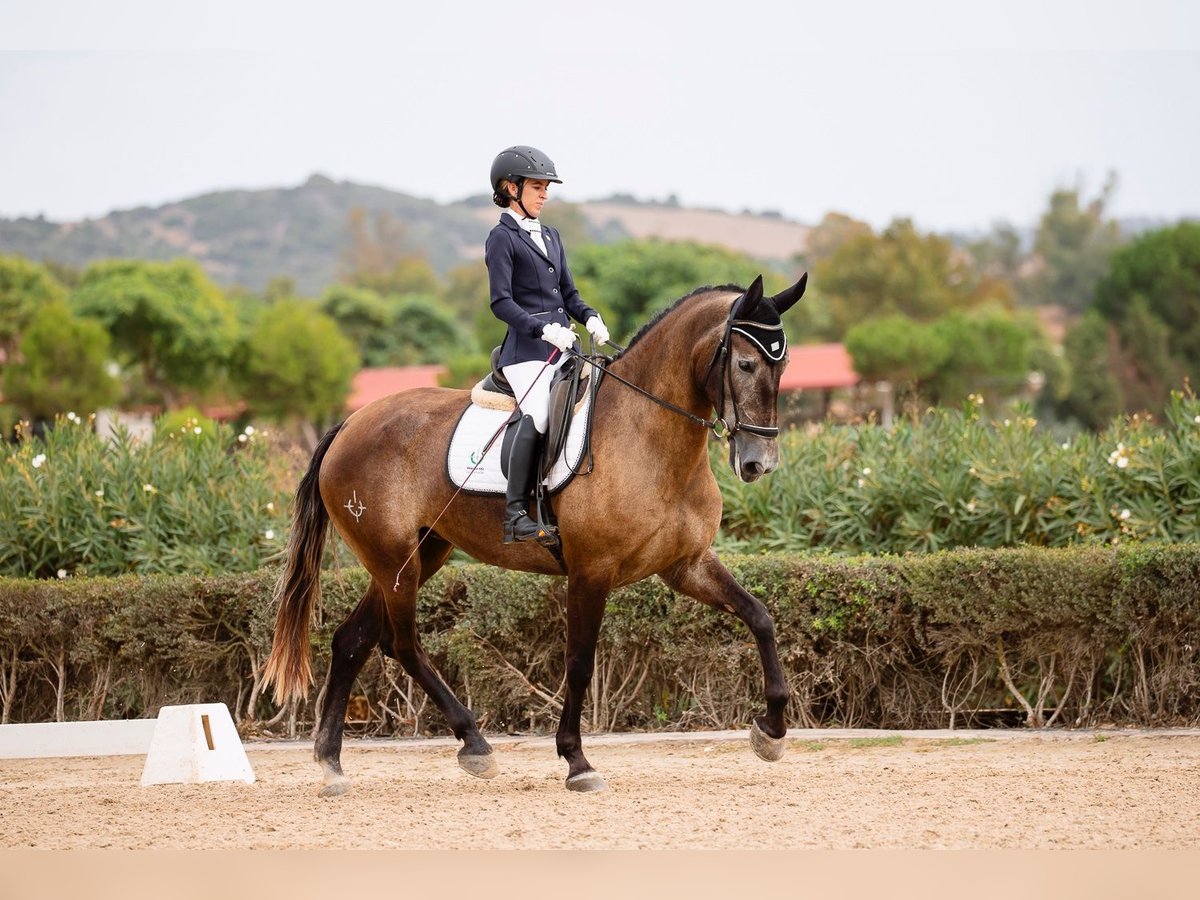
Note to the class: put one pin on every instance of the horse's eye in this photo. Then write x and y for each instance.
(745, 365)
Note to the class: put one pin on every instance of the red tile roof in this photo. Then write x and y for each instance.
(817, 366)
(371, 384)
(812, 366)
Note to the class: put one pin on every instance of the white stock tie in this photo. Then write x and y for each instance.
(535, 232)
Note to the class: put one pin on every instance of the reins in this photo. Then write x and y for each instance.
(723, 355)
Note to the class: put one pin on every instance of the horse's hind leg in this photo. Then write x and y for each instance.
(352, 645)
(711, 583)
(476, 755)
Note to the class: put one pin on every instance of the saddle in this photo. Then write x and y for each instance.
(569, 387)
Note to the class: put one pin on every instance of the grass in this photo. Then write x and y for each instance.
(893, 740)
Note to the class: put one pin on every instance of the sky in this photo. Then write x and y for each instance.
(955, 114)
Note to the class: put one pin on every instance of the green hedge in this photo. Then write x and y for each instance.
(1080, 636)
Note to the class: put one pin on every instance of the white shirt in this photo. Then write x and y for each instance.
(531, 226)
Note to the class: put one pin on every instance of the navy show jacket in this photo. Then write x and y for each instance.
(530, 289)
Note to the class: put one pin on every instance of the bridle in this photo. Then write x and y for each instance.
(758, 334)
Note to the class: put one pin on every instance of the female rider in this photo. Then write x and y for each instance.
(533, 293)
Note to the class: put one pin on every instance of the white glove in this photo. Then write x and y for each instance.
(597, 329)
(560, 336)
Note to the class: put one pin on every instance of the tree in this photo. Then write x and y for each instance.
(378, 257)
(1160, 272)
(1093, 395)
(1073, 243)
(467, 289)
(989, 352)
(900, 271)
(361, 315)
(898, 349)
(60, 366)
(169, 319)
(423, 332)
(25, 287)
(834, 230)
(295, 366)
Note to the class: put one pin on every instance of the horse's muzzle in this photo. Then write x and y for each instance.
(752, 457)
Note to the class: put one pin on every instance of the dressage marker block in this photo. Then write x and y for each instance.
(195, 743)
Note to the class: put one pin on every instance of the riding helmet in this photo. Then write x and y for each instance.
(519, 162)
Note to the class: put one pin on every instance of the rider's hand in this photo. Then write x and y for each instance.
(597, 329)
(561, 337)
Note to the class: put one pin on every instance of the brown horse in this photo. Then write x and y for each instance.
(650, 507)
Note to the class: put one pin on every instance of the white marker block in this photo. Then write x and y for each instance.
(195, 743)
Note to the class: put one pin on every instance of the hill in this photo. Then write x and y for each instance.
(246, 237)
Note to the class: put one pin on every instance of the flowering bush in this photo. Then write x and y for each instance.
(198, 499)
(955, 479)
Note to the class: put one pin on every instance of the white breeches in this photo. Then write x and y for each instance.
(531, 383)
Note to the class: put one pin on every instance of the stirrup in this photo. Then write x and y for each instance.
(529, 529)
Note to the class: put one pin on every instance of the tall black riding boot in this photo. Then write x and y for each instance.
(522, 470)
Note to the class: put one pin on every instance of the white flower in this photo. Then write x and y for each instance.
(249, 429)
(1196, 420)
(271, 507)
(1122, 462)
(197, 430)
(1066, 445)
(149, 488)
(62, 573)
(100, 493)
(269, 534)
(971, 471)
(970, 506)
(1007, 422)
(39, 460)
(861, 482)
(71, 417)
(867, 470)
(1125, 514)
(241, 439)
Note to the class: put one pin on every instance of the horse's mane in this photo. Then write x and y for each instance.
(706, 289)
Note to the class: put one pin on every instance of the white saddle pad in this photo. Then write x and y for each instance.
(473, 470)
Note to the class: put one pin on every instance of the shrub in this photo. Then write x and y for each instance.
(953, 479)
(197, 499)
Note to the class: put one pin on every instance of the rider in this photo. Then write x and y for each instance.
(533, 293)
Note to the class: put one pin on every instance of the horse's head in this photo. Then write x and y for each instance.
(743, 380)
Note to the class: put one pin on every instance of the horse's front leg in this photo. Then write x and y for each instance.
(585, 611)
(708, 581)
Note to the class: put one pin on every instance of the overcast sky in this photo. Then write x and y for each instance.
(956, 114)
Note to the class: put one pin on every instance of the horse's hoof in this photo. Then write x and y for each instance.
(335, 788)
(586, 782)
(481, 765)
(767, 747)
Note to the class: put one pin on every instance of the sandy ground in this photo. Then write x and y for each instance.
(983, 790)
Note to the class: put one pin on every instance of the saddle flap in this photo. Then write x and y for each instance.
(568, 389)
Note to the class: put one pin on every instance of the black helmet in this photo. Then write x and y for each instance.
(519, 162)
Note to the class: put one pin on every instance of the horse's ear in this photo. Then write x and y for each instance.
(748, 302)
(787, 297)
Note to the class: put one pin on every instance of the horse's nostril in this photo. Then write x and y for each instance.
(753, 469)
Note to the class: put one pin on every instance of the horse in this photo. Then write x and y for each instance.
(650, 506)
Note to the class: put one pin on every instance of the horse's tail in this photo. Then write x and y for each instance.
(289, 667)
